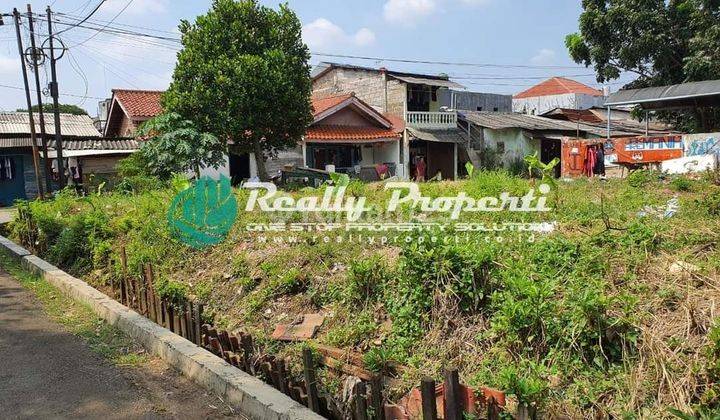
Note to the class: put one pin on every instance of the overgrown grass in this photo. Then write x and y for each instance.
(78, 319)
(588, 321)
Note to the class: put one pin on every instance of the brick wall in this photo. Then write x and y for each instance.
(367, 85)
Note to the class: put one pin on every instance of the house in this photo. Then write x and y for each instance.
(557, 92)
(349, 136)
(512, 136)
(431, 132)
(85, 153)
(130, 108)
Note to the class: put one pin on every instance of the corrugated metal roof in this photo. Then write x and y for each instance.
(427, 81)
(665, 94)
(75, 145)
(18, 123)
(504, 120)
(438, 136)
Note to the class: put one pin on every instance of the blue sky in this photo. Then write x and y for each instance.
(497, 32)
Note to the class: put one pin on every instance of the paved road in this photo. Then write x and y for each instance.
(46, 372)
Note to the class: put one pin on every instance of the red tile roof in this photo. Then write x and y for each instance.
(337, 133)
(558, 86)
(321, 105)
(139, 104)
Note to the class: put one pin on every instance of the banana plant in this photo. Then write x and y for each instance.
(546, 169)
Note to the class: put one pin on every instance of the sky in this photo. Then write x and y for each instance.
(507, 45)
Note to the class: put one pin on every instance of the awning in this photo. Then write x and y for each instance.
(427, 81)
(438, 136)
(692, 94)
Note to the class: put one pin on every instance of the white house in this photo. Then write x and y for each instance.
(557, 92)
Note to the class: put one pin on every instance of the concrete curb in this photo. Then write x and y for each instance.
(249, 394)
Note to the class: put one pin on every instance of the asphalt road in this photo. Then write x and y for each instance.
(46, 372)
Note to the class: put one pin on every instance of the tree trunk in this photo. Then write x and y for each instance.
(260, 163)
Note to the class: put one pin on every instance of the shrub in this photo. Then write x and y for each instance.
(641, 178)
(681, 184)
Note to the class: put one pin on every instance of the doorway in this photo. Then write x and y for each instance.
(12, 179)
(549, 150)
(239, 167)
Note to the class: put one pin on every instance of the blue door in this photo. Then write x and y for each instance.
(12, 180)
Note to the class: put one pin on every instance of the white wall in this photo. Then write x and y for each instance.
(541, 104)
(214, 173)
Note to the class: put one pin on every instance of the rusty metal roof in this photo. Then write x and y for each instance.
(18, 124)
(505, 120)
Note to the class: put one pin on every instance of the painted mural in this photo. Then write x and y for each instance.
(701, 144)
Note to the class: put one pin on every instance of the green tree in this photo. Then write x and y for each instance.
(662, 42)
(64, 108)
(243, 75)
(174, 145)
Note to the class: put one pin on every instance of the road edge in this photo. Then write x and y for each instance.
(249, 394)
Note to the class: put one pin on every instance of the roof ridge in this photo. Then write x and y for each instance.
(138, 90)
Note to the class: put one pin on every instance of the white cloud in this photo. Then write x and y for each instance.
(138, 7)
(321, 33)
(475, 3)
(408, 12)
(364, 37)
(544, 56)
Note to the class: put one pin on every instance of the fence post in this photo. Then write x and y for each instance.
(453, 406)
(360, 401)
(123, 269)
(376, 386)
(247, 343)
(198, 324)
(309, 370)
(429, 405)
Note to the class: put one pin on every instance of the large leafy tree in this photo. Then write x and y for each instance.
(243, 75)
(661, 41)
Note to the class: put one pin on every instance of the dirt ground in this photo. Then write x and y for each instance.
(46, 372)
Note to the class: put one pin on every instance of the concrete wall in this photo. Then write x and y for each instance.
(368, 86)
(472, 101)
(516, 143)
(541, 104)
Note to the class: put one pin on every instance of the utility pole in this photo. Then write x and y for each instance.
(55, 92)
(43, 135)
(33, 136)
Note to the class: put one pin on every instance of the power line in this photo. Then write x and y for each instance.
(101, 22)
(108, 24)
(443, 63)
(84, 19)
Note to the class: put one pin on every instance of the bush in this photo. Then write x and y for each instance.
(641, 178)
(681, 184)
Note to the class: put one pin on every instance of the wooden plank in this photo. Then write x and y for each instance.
(310, 380)
(429, 404)
(452, 403)
(283, 376)
(335, 364)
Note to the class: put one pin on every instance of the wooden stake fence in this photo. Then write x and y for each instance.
(185, 319)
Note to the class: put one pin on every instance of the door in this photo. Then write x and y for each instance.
(12, 180)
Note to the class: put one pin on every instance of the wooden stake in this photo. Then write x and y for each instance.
(376, 399)
(198, 324)
(429, 405)
(310, 382)
(361, 401)
(453, 406)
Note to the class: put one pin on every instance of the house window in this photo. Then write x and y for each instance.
(479, 108)
(7, 169)
(495, 109)
(501, 147)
